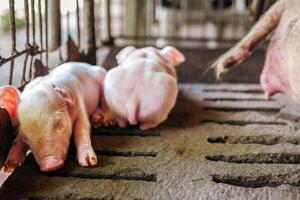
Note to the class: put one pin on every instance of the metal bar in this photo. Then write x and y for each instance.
(26, 10)
(32, 3)
(23, 80)
(33, 22)
(46, 30)
(89, 23)
(78, 22)
(13, 26)
(32, 50)
(107, 38)
(68, 23)
(54, 24)
(174, 38)
(13, 37)
(27, 45)
(41, 27)
(30, 68)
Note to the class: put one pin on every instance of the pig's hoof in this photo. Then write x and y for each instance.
(219, 66)
(10, 166)
(87, 158)
(97, 120)
(110, 122)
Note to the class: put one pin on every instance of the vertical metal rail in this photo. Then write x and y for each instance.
(149, 17)
(41, 27)
(33, 22)
(107, 38)
(54, 24)
(78, 22)
(68, 23)
(27, 45)
(89, 26)
(46, 32)
(13, 38)
(33, 36)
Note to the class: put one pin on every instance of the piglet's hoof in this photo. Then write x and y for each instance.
(109, 122)
(10, 166)
(97, 120)
(87, 158)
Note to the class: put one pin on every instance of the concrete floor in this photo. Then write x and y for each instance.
(222, 141)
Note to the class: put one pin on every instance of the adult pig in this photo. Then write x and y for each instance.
(51, 108)
(281, 71)
(143, 87)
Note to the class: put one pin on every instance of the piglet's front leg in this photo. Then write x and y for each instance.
(82, 128)
(103, 117)
(16, 155)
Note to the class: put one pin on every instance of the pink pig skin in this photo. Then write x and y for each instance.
(51, 108)
(281, 70)
(143, 88)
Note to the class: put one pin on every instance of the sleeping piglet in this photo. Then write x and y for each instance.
(51, 108)
(143, 87)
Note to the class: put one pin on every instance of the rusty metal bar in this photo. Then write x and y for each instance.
(26, 10)
(54, 24)
(46, 30)
(30, 68)
(33, 36)
(27, 45)
(24, 69)
(78, 22)
(33, 22)
(41, 27)
(89, 24)
(32, 50)
(13, 37)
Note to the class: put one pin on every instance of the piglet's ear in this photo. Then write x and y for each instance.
(64, 95)
(124, 53)
(172, 55)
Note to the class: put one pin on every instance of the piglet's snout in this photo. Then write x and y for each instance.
(51, 163)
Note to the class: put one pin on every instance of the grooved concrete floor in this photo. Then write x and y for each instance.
(220, 142)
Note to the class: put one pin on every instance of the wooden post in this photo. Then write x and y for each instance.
(89, 27)
(54, 24)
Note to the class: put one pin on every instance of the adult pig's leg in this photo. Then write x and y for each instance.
(244, 48)
(16, 155)
(82, 128)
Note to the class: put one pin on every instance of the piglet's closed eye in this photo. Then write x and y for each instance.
(172, 55)
(58, 123)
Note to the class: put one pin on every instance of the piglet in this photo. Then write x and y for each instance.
(9, 100)
(281, 72)
(143, 87)
(51, 108)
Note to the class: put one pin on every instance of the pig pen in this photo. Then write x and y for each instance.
(221, 141)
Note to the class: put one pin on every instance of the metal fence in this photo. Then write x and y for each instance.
(51, 38)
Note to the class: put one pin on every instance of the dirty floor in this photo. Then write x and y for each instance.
(222, 141)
